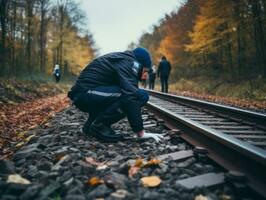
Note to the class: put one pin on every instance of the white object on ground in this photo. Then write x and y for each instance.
(16, 178)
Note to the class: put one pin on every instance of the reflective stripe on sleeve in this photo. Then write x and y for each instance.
(104, 94)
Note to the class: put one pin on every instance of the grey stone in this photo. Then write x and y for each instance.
(75, 191)
(31, 192)
(45, 139)
(198, 168)
(119, 194)
(49, 189)
(112, 154)
(45, 165)
(151, 195)
(69, 182)
(42, 146)
(16, 189)
(186, 163)
(99, 191)
(168, 191)
(183, 176)
(208, 168)
(75, 197)
(115, 180)
(123, 169)
(7, 167)
(204, 180)
(26, 152)
(33, 171)
(163, 167)
(8, 197)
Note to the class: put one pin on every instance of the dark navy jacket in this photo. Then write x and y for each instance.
(164, 68)
(115, 69)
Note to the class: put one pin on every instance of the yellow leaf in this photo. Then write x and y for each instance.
(152, 162)
(138, 162)
(151, 181)
(29, 138)
(94, 181)
(22, 134)
(20, 144)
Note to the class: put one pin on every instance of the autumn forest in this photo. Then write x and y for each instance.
(37, 34)
(215, 42)
(223, 39)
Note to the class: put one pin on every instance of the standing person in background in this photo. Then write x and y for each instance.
(144, 77)
(152, 77)
(164, 70)
(56, 73)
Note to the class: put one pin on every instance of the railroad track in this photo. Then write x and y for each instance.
(232, 137)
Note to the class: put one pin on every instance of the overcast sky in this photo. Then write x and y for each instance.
(116, 23)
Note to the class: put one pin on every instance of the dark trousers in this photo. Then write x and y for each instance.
(105, 104)
(57, 78)
(144, 83)
(151, 81)
(164, 84)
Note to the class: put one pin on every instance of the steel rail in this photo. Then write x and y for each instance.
(227, 151)
(250, 116)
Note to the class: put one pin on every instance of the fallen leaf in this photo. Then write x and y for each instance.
(22, 134)
(62, 159)
(32, 127)
(151, 181)
(132, 171)
(19, 144)
(101, 167)
(16, 120)
(29, 138)
(16, 178)
(152, 162)
(201, 197)
(226, 197)
(92, 161)
(138, 162)
(94, 181)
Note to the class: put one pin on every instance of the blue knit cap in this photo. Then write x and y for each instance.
(143, 56)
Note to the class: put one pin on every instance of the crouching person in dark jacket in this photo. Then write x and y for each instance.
(108, 90)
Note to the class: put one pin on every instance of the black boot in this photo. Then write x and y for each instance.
(104, 133)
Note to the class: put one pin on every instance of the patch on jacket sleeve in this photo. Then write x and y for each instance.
(136, 67)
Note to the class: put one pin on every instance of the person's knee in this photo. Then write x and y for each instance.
(144, 97)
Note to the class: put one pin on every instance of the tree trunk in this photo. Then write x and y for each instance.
(240, 40)
(3, 19)
(259, 36)
(42, 37)
(230, 57)
(13, 33)
(61, 36)
(29, 34)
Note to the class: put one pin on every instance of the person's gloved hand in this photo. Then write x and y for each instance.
(155, 136)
